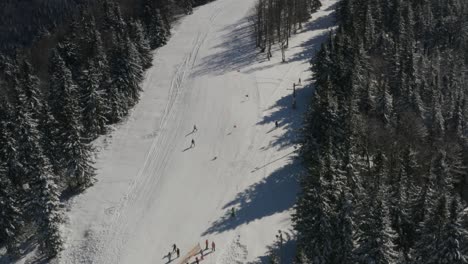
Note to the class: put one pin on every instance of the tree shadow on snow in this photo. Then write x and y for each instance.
(276, 193)
(309, 47)
(285, 253)
(289, 119)
(238, 50)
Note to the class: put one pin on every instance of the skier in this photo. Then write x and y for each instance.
(233, 212)
(174, 247)
(299, 80)
(280, 237)
(169, 255)
(178, 252)
(276, 124)
(201, 254)
(196, 260)
(195, 128)
(193, 143)
(206, 244)
(213, 246)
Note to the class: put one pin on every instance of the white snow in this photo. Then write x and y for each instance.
(153, 190)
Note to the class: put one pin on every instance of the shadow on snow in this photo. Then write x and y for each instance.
(238, 49)
(284, 253)
(276, 192)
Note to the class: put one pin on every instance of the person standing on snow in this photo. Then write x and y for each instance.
(196, 260)
(178, 252)
(193, 143)
(280, 236)
(201, 254)
(213, 246)
(206, 244)
(194, 129)
(174, 248)
(169, 256)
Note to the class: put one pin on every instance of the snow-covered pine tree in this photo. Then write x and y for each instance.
(384, 104)
(93, 102)
(11, 214)
(126, 75)
(431, 233)
(113, 20)
(69, 49)
(137, 35)
(375, 237)
(453, 245)
(369, 27)
(313, 220)
(49, 128)
(343, 243)
(47, 211)
(32, 167)
(155, 27)
(187, 5)
(440, 173)
(74, 149)
(30, 85)
(315, 216)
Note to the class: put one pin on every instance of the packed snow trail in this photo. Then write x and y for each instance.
(154, 189)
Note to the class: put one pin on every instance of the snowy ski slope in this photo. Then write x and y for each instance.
(153, 190)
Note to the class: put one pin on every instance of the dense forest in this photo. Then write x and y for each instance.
(385, 140)
(68, 70)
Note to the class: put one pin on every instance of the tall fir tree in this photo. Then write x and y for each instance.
(137, 36)
(155, 26)
(41, 203)
(74, 149)
(93, 101)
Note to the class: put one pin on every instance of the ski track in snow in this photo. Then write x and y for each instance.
(153, 190)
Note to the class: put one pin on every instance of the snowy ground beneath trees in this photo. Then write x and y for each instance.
(153, 190)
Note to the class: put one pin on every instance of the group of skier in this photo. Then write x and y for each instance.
(176, 250)
(213, 248)
(195, 129)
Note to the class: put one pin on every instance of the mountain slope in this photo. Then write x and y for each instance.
(154, 190)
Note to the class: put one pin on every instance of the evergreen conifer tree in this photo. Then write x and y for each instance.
(93, 101)
(33, 169)
(11, 216)
(64, 104)
(126, 73)
(375, 236)
(137, 35)
(155, 26)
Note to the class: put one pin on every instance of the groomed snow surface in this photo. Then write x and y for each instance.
(154, 190)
